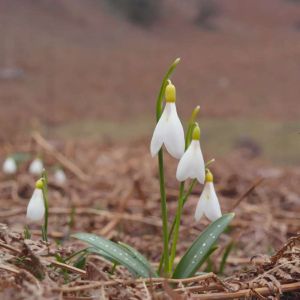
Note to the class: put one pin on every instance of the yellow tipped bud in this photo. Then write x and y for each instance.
(170, 93)
(195, 113)
(209, 176)
(196, 133)
(39, 184)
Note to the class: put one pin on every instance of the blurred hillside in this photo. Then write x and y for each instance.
(88, 60)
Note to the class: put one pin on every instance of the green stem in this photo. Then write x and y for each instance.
(164, 211)
(174, 221)
(27, 233)
(45, 197)
(113, 268)
(177, 225)
(159, 104)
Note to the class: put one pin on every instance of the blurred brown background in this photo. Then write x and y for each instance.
(92, 69)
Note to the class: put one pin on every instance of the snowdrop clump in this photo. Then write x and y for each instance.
(191, 168)
(9, 166)
(36, 167)
(169, 131)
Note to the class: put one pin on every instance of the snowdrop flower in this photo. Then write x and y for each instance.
(60, 176)
(191, 164)
(36, 206)
(9, 166)
(36, 167)
(169, 130)
(208, 203)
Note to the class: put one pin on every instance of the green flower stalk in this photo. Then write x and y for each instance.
(45, 197)
(156, 147)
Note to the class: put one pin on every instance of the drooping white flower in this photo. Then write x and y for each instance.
(36, 167)
(9, 166)
(60, 176)
(208, 203)
(169, 130)
(36, 206)
(191, 164)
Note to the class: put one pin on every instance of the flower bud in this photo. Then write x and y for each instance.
(39, 184)
(196, 133)
(170, 93)
(209, 176)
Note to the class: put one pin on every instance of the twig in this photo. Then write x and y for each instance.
(288, 287)
(10, 269)
(68, 267)
(11, 248)
(98, 284)
(59, 157)
(248, 192)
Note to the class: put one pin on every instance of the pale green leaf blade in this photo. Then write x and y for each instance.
(195, 255)
(115, 253)
(136, 254)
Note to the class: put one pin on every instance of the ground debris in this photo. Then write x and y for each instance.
(127, 210)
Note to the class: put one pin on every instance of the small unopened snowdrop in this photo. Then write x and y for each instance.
(36, 206)
(9, 166)
(169, 130)
(60, 176)
(208, 203)
(191, 164)
(36, 167)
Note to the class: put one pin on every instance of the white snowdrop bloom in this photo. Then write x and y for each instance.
(60, 176)
(36, 206)
(169, 130)
(36, 167)
(9, 166)
(191, 164)
(208, 203)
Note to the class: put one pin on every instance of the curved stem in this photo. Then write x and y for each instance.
(163, 199)
(177, 225)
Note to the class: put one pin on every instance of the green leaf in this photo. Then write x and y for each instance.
(197, 253)
(80, 262)
(208, 260)
(227, 250)
(115, 253)
(20, 157)
(136, 254)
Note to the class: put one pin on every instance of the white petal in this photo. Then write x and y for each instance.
(60, 176)
(158, 135)
(208, 204)
(9, 166)
(191, 165)
(36, 207)
(173, 133)
(200, 208)
(36, 167)
(212, 208)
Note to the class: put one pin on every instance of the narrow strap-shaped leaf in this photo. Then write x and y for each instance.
(113, 252)
(102, 253)
(227, 251)
(195, 255)
(136, 254)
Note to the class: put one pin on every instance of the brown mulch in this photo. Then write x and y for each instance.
(113, 191)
